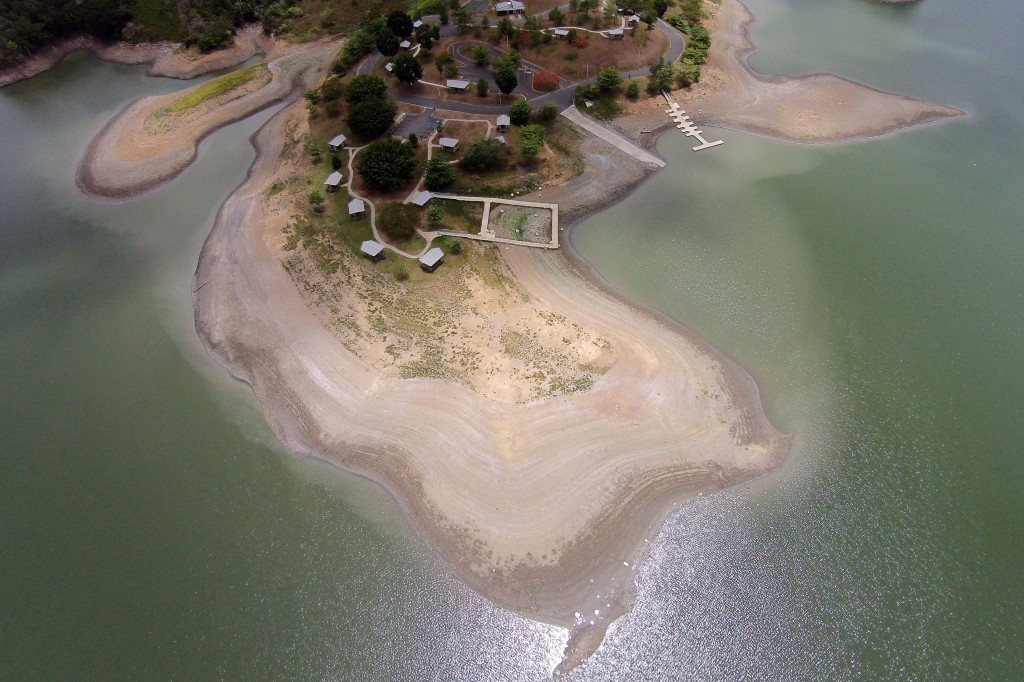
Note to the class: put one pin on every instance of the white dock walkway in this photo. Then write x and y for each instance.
(684, 123)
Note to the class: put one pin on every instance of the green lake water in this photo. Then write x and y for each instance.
(152, 528)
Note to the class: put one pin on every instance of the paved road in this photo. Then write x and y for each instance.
(563, 98)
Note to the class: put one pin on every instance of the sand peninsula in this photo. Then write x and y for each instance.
(154, 138)
(565, 421)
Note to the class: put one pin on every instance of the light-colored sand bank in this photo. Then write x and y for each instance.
(143, 145)
(170, 60)
(812, 108)
(543, 506)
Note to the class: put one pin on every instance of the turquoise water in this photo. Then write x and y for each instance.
(153, 529)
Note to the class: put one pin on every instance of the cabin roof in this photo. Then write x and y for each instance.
(432, 257)
(334, 179)
(338, 141)
(356, 206)
(421, 198)
(371, 248)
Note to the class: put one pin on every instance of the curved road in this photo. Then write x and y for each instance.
(563, 98)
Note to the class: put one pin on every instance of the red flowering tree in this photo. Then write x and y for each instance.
(579, 40)
(545, 81)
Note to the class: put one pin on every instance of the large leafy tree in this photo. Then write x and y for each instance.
(439, 174)
(400, 23)
(371, 117)
(387, 42)
(388, 164)
(506, 80)
(408, 69)
(483, 154)
(365, 87)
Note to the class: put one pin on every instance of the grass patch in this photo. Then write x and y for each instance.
(215, 88)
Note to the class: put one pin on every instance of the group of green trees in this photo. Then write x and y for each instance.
(383, 33)
(371, 111)
(27, 26)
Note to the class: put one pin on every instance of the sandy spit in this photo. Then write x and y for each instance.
(813, 108)
(128, 158)
(170, 60)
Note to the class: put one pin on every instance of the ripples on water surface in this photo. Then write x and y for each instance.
(153, 529)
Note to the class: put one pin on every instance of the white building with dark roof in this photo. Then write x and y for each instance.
(456, 85)
(512, 7)
(503, 122)
(449, 144)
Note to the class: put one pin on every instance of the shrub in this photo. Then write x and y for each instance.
(687, 73)
(483, 154)
(520, 112)
(531, 138)
(316, 201)
(358, 45)
(439, 175)
(480, 54)
(371, 117)
(608, 79)
(402, 272)
(547, 113)
(335, 162)
(482, 87)
(387, 165)
(545, 81)
(556, 16)
(579, 41)
(633, 89)
(434, 214)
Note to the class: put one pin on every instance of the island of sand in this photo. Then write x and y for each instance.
(534, 425)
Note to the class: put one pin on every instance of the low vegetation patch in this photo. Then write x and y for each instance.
(216, 88)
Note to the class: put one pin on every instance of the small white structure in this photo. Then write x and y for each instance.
(615, 34)
(500, 138)
(333, 181)
(356, 209)
(421, 199)
(432, 259)
(449, 144)
(634, 19)
(456, 85)
(417, 23)
(503, 122)
(405, 44)
(512, 7)
(389, 67)
(337, 143)
(372, 250)
(561, 33)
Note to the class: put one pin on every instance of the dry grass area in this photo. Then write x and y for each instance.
(632, 52)
(469, 322)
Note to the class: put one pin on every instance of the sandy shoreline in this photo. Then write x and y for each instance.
(814, 108)
(166, 59)
(127, 159)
